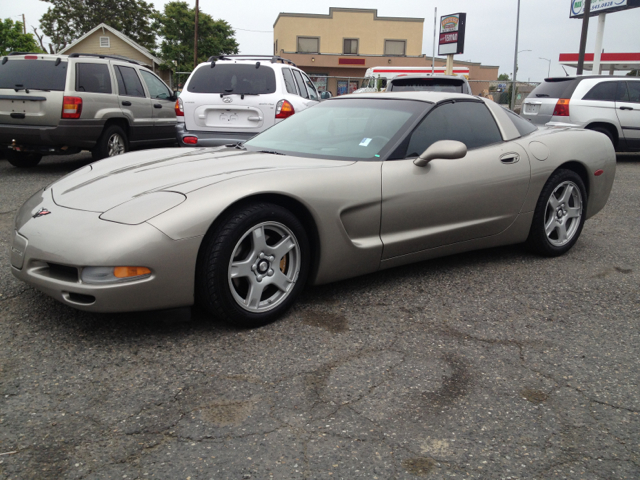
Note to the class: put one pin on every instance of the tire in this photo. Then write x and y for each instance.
(559, 215)
(23, 159)
(112, 142)
(253, 266)
(606, 132)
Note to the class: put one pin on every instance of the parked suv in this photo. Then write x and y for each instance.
(231, 98)
(607, 104)
(428, 82)
(59, 104)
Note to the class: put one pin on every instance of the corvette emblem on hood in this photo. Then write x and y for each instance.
(41, 213)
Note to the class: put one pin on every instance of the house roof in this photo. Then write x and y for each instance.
(118, 34)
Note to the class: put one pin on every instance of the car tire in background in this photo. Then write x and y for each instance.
(22, 159)
(112, 142)
(559, 215)
(253, 265)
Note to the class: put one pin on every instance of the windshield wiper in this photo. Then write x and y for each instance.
(272, 152)
(241, 94)
(26, 90)
(541, 95)
(239, 146)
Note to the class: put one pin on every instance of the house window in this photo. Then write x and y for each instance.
(104, 42)
(350, 45)
(308, 44)
(394, 47)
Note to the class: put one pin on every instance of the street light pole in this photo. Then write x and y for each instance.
(515, 61)
(195, 38)
(549, 70)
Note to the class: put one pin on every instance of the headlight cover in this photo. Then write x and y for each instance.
(142, 208)
(107, 275)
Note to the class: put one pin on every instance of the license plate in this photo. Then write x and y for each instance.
(531, 108)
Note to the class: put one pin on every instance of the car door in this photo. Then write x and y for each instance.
(450, 201)
(628, 111)
(164, 114)
(135, 104)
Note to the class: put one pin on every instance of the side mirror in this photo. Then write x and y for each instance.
(444, 150)
(325, 95)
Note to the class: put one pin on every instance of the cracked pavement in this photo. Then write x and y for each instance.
(491, 364)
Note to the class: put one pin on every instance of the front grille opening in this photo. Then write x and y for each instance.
(80, 298)
(63, 272)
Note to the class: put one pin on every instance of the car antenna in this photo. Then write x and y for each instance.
(565, 71)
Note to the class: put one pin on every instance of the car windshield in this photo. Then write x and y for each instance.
(233, 79)
(342, 129)
(37, 74)
(426, 84)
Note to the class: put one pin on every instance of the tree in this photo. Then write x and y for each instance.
(13, 40)
(176, 26)
(504, 76)
(633, 73)
(69, 19)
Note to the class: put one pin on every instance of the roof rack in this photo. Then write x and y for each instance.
(26, 53)
(271, 58)
(97, 55)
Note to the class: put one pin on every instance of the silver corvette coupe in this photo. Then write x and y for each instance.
(351, 186)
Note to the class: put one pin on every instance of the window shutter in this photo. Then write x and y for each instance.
(394, 47)
(104, 42)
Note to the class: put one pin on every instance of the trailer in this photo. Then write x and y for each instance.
(376, 77)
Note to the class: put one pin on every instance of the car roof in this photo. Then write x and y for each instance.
(427, 75)
(423, 96)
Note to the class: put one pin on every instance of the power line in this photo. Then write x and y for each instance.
(256, 31)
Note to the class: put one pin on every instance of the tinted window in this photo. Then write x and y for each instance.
(468, 122)
(40, 74)
(233, 78)
(555, 88)
(634, 91)
(157, 88)
(524, 127)
(93, 77)
(128, 82)
(300, 83)
(313, 94)
(288, 81)
(605, 91)
(430, 84)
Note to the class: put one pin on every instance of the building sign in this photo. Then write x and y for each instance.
(601, 6)
(452, 29)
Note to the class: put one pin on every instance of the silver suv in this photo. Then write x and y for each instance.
(61, 104)
(607, 104)
(231, 98)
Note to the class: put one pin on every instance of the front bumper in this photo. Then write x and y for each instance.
(210, 139)
(68, 133)
(49, 252)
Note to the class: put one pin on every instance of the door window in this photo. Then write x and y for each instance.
(300, 82)
(289, 82)
(128, 82)
(634, 91)
(313, 94)
(157, 88)
(468, 122)
(93, 77)
(604, 92)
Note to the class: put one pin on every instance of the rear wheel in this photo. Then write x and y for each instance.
(112, 142)
(23, 159)
(253, 266)
(559, 215)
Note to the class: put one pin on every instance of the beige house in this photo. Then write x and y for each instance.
(106, 40)
(336, 49)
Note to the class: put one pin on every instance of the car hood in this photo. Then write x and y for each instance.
(105, 184)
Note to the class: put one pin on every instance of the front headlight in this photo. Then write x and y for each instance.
(142, 208)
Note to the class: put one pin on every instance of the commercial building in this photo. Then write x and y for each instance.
(336, 49)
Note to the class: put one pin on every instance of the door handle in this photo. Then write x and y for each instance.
(510, 158)
(157, 105)
(126, 104)
(626, 108)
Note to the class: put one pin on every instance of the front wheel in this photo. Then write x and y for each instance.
(252, 267)
(23, 159)
(559, 215)
(112, 142)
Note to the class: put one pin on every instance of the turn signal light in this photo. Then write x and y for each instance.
(179, 108)
(284, 109)
(562, 108)
(71, 107)
(128, 272)
(190, 140)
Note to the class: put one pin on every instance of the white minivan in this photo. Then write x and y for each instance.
(231, 98)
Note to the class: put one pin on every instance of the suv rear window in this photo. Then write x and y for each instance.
(234, 78)
(555, 88)
(426, 84)
(36, 74)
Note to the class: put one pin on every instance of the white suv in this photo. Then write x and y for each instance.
(604, 103)
(231, 98)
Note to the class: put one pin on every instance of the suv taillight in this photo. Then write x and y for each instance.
(179, 108)
(71, 107)
(562, 108)
(284, 109)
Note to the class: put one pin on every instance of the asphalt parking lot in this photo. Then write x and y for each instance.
(492, 364)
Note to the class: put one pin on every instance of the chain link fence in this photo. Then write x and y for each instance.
(500, 91)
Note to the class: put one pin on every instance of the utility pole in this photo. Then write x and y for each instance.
(195, 38)
(583, 37)
(515, 61)
(24, 25)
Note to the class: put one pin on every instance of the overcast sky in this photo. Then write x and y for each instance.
(545, 27)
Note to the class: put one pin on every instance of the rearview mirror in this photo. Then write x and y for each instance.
(442, 150)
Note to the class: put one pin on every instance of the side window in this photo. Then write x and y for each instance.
(93, 77)
(605, 91)
(468, 122)
(634, 91)
(313, 93)
(300, 83)
(157, 88)
(288, 81)
(128, 82)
